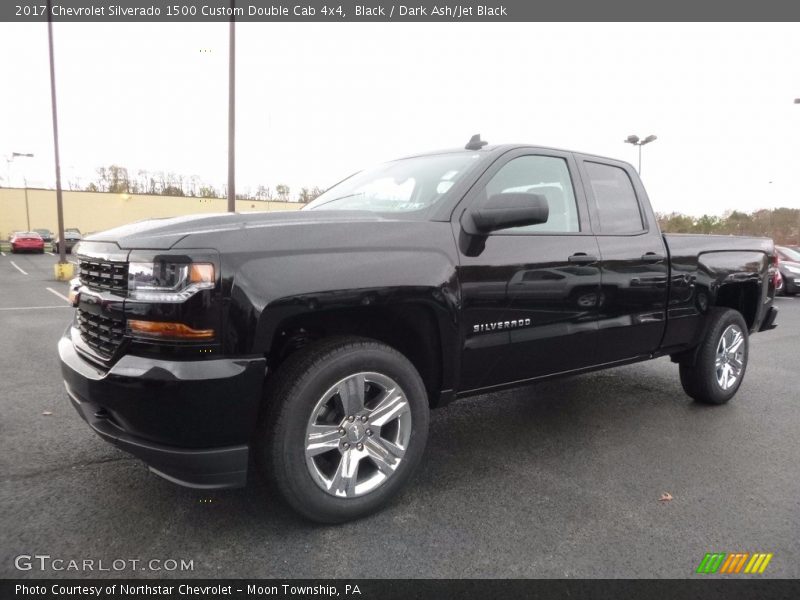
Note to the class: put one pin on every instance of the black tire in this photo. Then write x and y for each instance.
(699, 380)
(291, 397)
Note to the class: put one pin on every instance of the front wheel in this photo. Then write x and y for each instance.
(344, 429)
(721, 359)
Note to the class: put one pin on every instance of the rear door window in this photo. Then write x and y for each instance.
(618, 208)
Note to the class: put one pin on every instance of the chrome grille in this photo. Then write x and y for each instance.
(104, 275)
(101, 332)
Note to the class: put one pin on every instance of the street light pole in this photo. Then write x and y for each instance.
(634, 140)
(27, 210)
(10, 159)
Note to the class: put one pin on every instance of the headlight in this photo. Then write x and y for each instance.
(168, 282)
(74, 291)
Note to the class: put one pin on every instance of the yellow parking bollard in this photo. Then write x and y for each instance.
(64, 271)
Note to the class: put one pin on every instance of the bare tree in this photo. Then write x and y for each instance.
(264, 193)
(283, 192)
(207, 191)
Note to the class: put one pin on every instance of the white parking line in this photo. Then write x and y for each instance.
(50, 253)
(33, 307)
(59, 294)
(3, 253)
(17, 267)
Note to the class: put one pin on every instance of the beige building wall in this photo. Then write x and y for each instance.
(97, 211)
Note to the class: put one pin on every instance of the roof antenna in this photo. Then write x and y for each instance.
(475, 143)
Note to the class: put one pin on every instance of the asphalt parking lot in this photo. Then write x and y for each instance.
(559, 479)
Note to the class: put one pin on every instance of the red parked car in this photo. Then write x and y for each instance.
(27, 240)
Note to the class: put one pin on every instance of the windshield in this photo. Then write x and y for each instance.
(790, 254)
(410, 184)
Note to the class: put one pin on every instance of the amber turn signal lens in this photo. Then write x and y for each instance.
(169, 330)
(74, 297)
(201, 273)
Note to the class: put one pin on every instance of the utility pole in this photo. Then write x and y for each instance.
(232, 114)
(797, 101)
(63, 269)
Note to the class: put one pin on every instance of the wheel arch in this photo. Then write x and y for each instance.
(743, 297)
(414, 329)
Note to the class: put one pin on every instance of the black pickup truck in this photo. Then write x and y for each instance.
(315, 342)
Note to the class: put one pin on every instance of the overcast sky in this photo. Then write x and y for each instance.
(316, 101)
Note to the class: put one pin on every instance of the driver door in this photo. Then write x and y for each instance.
(530, 294)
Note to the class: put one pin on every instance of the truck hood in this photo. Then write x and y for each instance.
(163, 234)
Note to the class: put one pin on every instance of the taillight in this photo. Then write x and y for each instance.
(776, 274)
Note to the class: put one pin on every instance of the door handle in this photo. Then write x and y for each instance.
(652, 257)
(581, 258)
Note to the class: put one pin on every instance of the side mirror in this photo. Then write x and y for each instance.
(500, 211)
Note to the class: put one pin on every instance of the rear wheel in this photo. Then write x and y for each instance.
(720, 361)
(345, 428)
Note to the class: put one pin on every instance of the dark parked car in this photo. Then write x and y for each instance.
(789, 267)
(26, 241)
(47, 235)
(71, 237)
(317, 341)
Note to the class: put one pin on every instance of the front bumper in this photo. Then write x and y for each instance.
(190, 421)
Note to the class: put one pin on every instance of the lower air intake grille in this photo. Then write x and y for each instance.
(102, 333)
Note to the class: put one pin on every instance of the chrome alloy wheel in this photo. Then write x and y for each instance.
(730, 357)
(357, 434)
